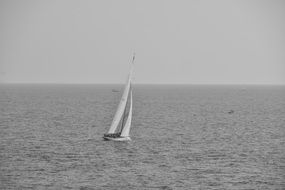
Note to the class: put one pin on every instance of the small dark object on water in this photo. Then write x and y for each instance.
(113, 135)
(113, 90)
(231, 111)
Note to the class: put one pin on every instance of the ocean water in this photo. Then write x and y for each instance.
(183, 137)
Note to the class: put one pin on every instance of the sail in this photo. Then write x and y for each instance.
(126, 129)
(122, 105)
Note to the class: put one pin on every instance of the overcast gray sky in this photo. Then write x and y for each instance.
(191, 41)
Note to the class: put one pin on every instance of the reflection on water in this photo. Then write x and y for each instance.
(183, 137)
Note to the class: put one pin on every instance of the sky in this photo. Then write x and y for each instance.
(175, 41)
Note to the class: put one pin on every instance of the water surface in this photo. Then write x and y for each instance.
(183, 137)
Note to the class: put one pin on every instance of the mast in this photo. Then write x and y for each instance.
(126, 129)
(123, 103)
(124, 114)
(122, 125)
(123, 118)
(133, 61)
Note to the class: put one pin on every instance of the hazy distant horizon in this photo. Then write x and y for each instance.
(198, 84)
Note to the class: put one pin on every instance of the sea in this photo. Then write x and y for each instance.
(183, 137)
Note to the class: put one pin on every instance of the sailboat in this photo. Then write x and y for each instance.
(121, 124)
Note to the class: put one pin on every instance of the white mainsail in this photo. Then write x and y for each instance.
(126, 129)
(123, 103)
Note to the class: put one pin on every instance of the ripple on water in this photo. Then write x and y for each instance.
(184, 137)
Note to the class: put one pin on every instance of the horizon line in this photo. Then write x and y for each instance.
(62, 83)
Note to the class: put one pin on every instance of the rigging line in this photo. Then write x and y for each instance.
(134, 55)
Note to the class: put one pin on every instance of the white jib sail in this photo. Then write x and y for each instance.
(126, 129)
(122, 104)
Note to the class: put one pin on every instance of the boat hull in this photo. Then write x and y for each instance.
(117, 138)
